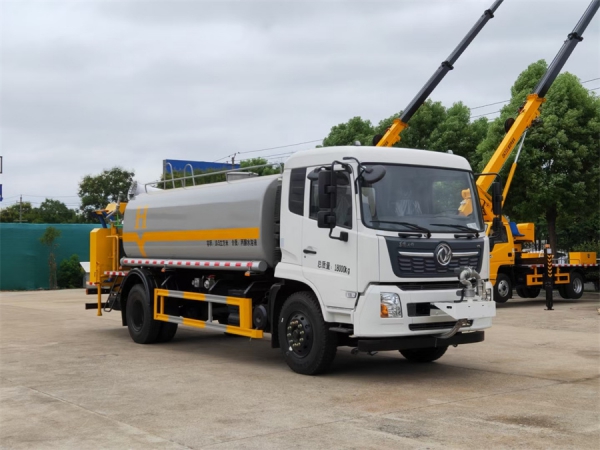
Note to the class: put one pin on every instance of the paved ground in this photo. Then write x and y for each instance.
(70, 379)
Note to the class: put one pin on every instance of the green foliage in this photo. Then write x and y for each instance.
(356, 129)
(558, 171)
(97, 191)
(70, 273)
(49, 240)
(49, 211)
(11, 213)
(432, 127)
(588, 246)
(267, 170)
(55, 211)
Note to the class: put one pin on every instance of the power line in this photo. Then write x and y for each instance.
(269, 148)
(505, 101)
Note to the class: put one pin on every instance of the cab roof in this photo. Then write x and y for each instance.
(380, 155)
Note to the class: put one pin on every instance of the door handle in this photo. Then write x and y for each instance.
(310, 252)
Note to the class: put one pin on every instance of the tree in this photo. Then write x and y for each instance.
(54, 211)
(267, 170)
(558, 171)
(97, 191)
(13, 212)
(49, 240)
(356, 129)
(70, 273)
(432, 127)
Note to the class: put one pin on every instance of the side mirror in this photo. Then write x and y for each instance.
(373, 174)
(327, 190)
(326, 219)
(313, 175)
(496, 198)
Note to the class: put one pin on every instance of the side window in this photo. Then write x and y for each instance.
(297, 183)
(343, 207)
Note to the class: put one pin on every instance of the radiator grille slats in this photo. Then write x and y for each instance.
(427, 265)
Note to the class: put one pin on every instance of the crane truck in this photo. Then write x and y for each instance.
(510, 265)
(322, 255)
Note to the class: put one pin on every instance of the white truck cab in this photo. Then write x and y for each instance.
(398, 244)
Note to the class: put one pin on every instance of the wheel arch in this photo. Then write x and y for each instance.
(278, 293)
(135, 276)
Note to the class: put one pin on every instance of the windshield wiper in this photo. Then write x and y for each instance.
(409, 225)
(458, 227)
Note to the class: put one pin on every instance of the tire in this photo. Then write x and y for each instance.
(502, 288)
(301, 318)
(562, 291)
(167, 332)
(528, 291)
(143, 329)
(522, 292)
(575, 287)
(424, 355)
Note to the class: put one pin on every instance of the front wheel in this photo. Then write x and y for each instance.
(424, 355)
(306, 343)
(502, 288)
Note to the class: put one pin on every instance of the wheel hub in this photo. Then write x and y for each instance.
(577, 285)
(503, 288)
(299, 334)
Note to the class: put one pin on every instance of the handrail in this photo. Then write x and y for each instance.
(192, 172)
(173, 180)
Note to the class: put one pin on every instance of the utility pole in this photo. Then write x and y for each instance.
(21, 209)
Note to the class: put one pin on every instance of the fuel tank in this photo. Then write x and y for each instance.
(231, 220)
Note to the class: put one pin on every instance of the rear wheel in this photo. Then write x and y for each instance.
(167, 332)
(424, 355)
(143, 329)
(306, 342)
(502, 288)
(562, 291)
(575, 287)
(528, 291)
(522, 292)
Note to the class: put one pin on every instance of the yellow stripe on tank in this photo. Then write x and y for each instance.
(142, 238)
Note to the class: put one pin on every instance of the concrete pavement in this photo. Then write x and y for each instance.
(70, 379)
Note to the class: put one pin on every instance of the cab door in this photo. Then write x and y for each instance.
(331, 264)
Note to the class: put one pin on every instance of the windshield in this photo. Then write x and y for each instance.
(412, 197)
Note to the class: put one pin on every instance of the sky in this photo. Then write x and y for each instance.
(89, 85)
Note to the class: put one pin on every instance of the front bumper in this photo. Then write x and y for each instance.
(368, 322)
(414, 342)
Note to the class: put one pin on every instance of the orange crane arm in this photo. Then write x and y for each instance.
(392, 135)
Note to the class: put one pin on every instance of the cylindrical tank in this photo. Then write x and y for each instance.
(232, 220)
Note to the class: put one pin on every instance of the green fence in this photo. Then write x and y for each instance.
(23, 258)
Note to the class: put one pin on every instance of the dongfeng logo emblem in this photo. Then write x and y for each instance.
(443, 254)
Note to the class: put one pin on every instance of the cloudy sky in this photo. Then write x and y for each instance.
(87, 85)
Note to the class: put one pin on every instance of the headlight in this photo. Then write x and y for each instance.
(390, 304)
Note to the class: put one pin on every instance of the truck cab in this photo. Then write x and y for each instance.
(388, 266)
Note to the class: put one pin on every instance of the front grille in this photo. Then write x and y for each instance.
(433, 325)
(429, 286)
(427, 265)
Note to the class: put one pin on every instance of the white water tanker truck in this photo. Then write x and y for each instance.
(348, 246)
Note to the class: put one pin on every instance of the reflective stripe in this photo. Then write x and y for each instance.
(243, 266)
(141, 238)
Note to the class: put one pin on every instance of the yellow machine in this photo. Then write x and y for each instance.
(509, 265)
(392, 135)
